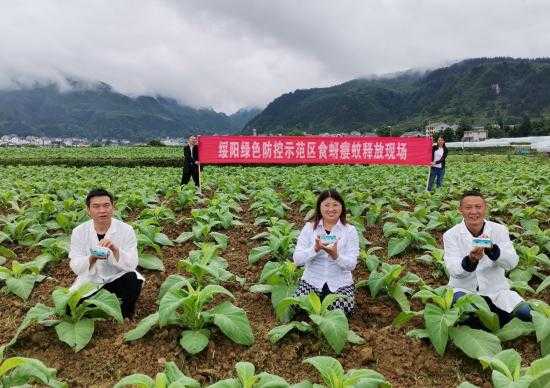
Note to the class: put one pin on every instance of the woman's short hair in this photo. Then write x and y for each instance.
(331, 193)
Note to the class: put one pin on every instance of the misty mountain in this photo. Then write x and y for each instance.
(478, 91)
(98, 111)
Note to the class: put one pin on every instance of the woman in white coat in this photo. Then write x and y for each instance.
(481, 270)
(328, 247)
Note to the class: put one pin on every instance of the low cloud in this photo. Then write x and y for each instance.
(232, 54)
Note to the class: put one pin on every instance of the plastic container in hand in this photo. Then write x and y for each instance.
(328, 240)
(100, 252)
(479, 242)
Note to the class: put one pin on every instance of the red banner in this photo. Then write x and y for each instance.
(314, 150)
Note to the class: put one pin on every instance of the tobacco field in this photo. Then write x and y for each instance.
(216, 307)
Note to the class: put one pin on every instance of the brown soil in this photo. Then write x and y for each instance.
(107, 358)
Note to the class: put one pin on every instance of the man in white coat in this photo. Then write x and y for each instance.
(117, 241)
(481, 270)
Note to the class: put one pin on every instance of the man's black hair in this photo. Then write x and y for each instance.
(98, 193)
(471, 193)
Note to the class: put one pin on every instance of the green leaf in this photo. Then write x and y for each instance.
(437, 325)
(151, 262)
(488, 318)
(185, 236)
(330, 369)
(542, 325)
(22, 287)
(76, 335)
(278, 293)
(303, 384)
(466, 384)
(168, 305)
(315, 302)
(212, 289)
(28, 370)
(37, 313)
(327, 300)
(257, 253)
(267, 380)
(233, 322)
(139, 380)
(227, 383)
(60, 297)
(396, 245)
(194, 341)
(106, 302)
(354, 338)
(261, 235)
(220, 238)
(514, 329)
(279, 332)
(398, 293)
(7, 253)
(365, 378)
(334, 326)
(76, 295)
(545, 346)
(475, 343)
(177, 378)
(142, 328)
(542, 381)
(540, 372)
(404, 317)
(282, 308)
(543, 285)
(375, 283)
(246, 372)
(162, 239)
(172, 281)
(11, 363)
(418, 334)
(511, 360)
(502, 381)
(261, 288)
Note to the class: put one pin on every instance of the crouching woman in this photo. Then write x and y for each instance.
(328, 247)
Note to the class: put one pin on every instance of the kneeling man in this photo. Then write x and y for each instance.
(104, 252)
(477, 254)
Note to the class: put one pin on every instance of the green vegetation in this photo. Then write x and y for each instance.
(23, 371)
(73, 314)
(210, 288)
(98, 112)
(464, 93)
(185, 306)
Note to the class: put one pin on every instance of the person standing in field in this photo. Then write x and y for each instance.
(328, 247)
(437, 170)
(477, 253)
(190, 161)
(104, 252)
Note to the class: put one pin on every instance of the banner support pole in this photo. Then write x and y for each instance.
(200, 178)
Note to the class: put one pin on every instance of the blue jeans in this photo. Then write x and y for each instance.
(437, 175)
(521, 311)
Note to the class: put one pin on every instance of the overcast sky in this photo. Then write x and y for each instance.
(232, 54)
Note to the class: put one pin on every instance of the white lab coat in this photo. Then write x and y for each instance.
(84, 237)
(489, 278)
(319, 267)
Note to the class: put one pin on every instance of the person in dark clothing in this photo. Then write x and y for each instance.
(439, 153)
(190, 162)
